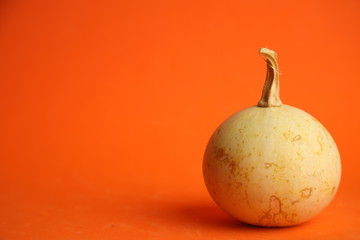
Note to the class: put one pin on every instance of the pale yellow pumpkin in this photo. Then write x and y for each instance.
(272, 164)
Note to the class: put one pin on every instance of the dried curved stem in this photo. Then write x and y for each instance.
(270, 95)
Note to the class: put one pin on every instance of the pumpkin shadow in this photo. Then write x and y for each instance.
(207, 215)
(211, 216)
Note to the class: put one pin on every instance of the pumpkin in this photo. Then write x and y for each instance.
(272, 164)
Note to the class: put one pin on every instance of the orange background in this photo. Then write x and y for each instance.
(107, 106)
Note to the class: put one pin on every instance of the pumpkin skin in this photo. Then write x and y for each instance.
(272, 166)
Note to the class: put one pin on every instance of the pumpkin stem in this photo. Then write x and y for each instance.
(270, 95)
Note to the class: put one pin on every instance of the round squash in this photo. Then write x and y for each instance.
(272, 164)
